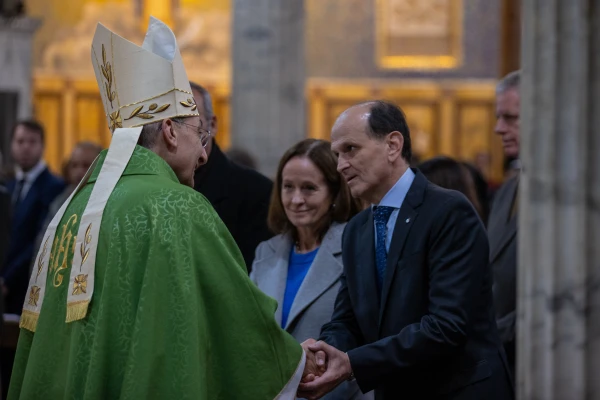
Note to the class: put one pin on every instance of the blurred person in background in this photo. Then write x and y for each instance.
(82, 157)
(4, 237)
(451, 174)
(238, 194)
(482, 189)
(32, 190)
(502, 227)
(241, 157)
(301, 266)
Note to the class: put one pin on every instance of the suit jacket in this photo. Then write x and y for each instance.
(502, 233)
(4, 237)
(431, 334)
(241, 198)
(313, 304)
(27, 219)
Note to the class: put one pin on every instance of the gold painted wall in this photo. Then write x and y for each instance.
(451, 118)
(71, 111)
(448, 113)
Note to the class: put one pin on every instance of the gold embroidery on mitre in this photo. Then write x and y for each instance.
(189, 103)
(108, 75)
(80, 284)
(155, 97)
(174, 116)
(84, 248)
(34, 296)
(152, 109)
(61, 247)
(115, 120)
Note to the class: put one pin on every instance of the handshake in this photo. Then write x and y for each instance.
(326, 367)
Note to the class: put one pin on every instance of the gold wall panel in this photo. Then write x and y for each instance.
(454, 118)
(71, 111)
(419, 34)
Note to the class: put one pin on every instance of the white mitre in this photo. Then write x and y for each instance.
(138, 86)
(141, 85)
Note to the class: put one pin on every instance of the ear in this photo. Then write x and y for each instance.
(395, 142)
(213, 125)
(168, 133)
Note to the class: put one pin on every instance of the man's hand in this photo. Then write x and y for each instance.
(338, 370)
(315, 363)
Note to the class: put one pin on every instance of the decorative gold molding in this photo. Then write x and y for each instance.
(396, 61)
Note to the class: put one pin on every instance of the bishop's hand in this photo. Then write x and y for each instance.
(316, 364)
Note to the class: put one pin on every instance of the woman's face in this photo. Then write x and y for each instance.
(304, 193)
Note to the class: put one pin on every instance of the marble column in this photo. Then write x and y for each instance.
(559, 220)
(268, 104)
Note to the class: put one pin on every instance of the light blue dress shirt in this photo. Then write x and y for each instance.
(394, 198)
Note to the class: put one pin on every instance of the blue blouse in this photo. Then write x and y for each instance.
(298, 267)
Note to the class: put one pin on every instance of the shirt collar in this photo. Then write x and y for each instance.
(32, 174)
(395, 196)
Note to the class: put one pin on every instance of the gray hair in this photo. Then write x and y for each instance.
(150, 132)
(206, 99)
(510, 81)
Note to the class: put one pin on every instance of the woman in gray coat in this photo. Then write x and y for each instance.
(302, 265)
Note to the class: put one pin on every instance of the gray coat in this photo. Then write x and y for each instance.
(313, 304)
(502, 233)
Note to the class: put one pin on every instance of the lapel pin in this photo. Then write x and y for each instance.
(407, 220)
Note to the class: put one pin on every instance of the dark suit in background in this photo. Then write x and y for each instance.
(431, 334)
(241, 198)
(502, 232)
(4, 237)
(28, 217)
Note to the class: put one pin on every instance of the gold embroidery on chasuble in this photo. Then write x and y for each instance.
(63, 246)
(34, 296)
(80, 281)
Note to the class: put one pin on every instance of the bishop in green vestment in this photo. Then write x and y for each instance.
(139, 290)
(174, 314)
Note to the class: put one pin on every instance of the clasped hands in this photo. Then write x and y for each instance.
(326, 367)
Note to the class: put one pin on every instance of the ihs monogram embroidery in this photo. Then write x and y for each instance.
(59, 256)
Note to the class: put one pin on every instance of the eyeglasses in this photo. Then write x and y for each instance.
(203, 133)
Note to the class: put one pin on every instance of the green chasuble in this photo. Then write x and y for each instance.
(173, 314)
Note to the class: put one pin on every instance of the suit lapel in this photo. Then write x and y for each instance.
(366, 272)
(26, 205)
(503, 228)
(401, 230)
(276, 270)
(404, 222)
(324, 272)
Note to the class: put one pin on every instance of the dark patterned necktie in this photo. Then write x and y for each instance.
(18, 192)
(381, 214)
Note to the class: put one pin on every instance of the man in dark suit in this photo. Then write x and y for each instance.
(32, 190)
(502, 225)
(238, 194)
(414, 317)
(4, 236)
